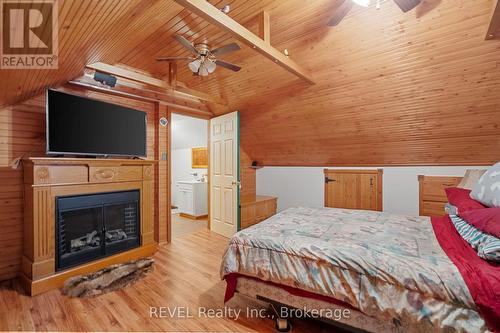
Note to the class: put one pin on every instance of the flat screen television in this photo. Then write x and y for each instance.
(83, 126)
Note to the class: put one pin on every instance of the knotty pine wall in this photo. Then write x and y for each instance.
(22, 133)
(247, 175)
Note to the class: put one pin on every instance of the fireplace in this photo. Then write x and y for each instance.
(93, 226)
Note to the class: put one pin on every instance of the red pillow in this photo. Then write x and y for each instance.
(487, 220)
(460, 198)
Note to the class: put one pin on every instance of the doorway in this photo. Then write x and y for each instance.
(189, 175)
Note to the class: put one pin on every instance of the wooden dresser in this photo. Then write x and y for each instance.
(255, 209)
(432, 196)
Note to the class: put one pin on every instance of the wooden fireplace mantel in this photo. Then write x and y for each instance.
(47, 178)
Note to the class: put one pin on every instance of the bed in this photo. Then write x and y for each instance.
(391, 271)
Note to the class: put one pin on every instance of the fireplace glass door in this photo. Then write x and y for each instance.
(93, 226)
(121, 230)
(80, 235)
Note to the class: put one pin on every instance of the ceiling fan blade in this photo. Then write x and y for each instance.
(340, 13)
(407, 5)
(187, 44)
(225, 49)
(227, 65)
(174, 58)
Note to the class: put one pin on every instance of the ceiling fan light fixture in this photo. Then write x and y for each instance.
(364, 3)
(210, 66)
(203, 71)
(194, 66)
(204, 60)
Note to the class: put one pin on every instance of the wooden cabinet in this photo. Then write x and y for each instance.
(353, 189)
(432, 196)
(193, 201)
(255, 209)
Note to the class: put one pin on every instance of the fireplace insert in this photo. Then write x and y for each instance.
(95, 226)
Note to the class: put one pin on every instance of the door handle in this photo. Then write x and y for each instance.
(237, 183)
(328, 180)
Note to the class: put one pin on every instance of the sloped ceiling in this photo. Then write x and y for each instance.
(391, 88)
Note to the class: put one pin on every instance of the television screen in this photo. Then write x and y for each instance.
(83, 126)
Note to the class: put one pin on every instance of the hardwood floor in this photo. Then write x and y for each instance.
(182, 226)
(186, 275)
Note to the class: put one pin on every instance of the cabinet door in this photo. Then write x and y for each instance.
(189, 207)
(247, 216)
(353, 189)
(368, 192)
(341, 190)
(186, 201)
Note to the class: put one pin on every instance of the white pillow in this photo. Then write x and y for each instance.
(487, 189)
(471, 178)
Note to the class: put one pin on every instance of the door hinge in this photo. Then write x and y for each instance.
(328, 180)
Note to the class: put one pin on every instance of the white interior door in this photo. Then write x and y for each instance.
(224, 174)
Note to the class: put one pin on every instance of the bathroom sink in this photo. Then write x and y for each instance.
(189, 181)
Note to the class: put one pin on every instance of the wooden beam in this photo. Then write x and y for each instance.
(142, 94)
(177, 91)
(131, 75)
(494, 29)
(214, 16)
(265, 27)
(172, 74)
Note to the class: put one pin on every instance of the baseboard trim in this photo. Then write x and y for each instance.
(192, 217)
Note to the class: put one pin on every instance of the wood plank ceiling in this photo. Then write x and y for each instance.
(392, 88)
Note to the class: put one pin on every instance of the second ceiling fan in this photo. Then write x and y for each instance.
(204, 60)
(346, 6)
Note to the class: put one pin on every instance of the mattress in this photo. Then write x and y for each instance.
(257, 289)
(386, 266)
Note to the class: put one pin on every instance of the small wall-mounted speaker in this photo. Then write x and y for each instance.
(106, 79)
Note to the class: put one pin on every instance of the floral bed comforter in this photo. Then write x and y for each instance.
(385, 265)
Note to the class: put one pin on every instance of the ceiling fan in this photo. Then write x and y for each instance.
(346, 6)
(204, 60)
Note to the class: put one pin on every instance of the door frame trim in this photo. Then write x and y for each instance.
(171, 110)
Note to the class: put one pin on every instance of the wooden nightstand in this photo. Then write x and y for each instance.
(432, 196)
(255, 209)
